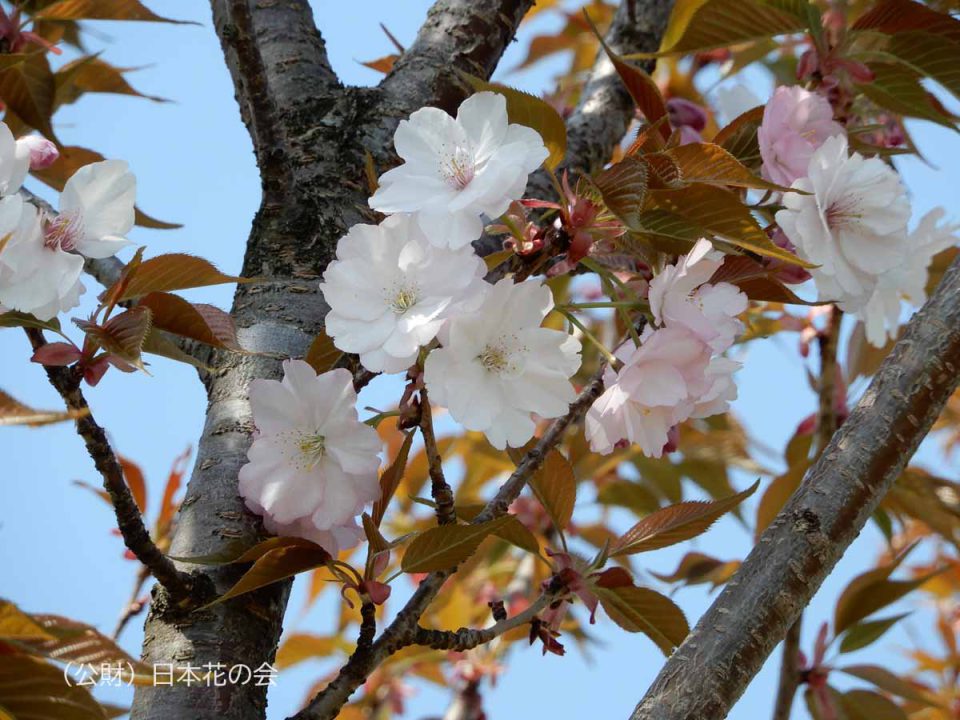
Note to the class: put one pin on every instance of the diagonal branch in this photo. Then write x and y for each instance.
(711, 669)
(404, 628)
(464, 35)
(136, 537)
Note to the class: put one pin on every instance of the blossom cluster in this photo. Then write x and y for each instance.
(851, 216)
(677, 371)
(42, 253)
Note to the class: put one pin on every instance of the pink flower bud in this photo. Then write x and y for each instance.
(684, 113)
(57, 354)
(43, 153)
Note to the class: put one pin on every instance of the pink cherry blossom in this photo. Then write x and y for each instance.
(795, 123)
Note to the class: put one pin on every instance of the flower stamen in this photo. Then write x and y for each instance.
(62, 231)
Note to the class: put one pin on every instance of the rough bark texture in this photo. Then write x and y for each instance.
(707, 674)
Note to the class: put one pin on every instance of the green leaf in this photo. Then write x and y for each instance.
(638, 609)
(101, 10)
(175, 271)
(886, 680)
(12, 318)
(898, 16)
(323, 355)
(446, 546)
(863, 634)
(532, 112)
(739, 138)
(513, 531)
(898, 88)
(285, 558)
(676, 523)
(706, 24)
(35, 689)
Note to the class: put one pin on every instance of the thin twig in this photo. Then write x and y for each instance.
(136, 537)
(439, 487)
(134, 605)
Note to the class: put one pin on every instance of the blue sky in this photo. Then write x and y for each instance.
(195, 165)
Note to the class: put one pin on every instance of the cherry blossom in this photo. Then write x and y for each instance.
(313, 465)
(456, 170)
(14, 162)
(795, 123)
(390, 291)
(658, 386)
(498, 366)
(908, 280)
(96, 210)
(852, 225)
(681, 295)
(36, 276)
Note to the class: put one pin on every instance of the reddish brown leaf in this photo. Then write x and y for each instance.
(390, 479)
(204, 323)
(27, 88)
(623, 187)
(14, 412)
(33, 688)
(101, 10)
(122, 335)
(638, 609)
(135, 481)
(323, 355)
(175, 271)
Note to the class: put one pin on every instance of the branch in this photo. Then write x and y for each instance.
(136, 537)
(469, 638)
(403, 630)
(789, 672)
(439, 487)
(465, 35)
(711, 669)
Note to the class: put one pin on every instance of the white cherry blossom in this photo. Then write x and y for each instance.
(14, 162)
(313, 465)
(36, 276)
(498, 366)
(852, 225)
(456, 170)
(680, 295)
(658, 386)
(908, 280)
(96, 210)
(390, 291)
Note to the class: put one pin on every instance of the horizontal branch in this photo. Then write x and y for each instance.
(135, 535)
(711, 669)
(469, 638)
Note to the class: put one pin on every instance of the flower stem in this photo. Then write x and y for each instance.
(611, 358)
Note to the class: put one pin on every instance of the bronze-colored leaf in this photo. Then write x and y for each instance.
(14, 412)
(280, 562)
(739, 137)
(555, 486)
(18, 625)
(204, 323)
(513, 531)
(302, 646)
(642, 88)
(27, 88)
(133, 475)
(323, 355)
(712, 164)
(757, 281)
(862, 634)
(90, 74)
(869, 705)
(102, 10)
(676, 523)
(390, 479)
(175, 271)
(446, 546)
(638, 609)
(887, 681)
(33, 688)
(696, 568)
(623, 187)
(122, 335)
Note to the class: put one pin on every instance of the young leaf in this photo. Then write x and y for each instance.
(899, 88)
(17, 625)
(101, 10)
(90, 74)
(135, 480)
(897, 16)
(711, 164)
(676, 523)
(14, 412)
(301, 646)
(533, 112)
(555, 486)
(323, 355)
(445, 546)
(12, 318)
(756, 281)
(623, 187)
(863, 634)
(27, 89)
(638, 609)
(204, 323)
(706, 24)
(739, 138)
(886, 680)
(281, 561)
(696, 568)
(35, 689)
(175, 271)
(873, 591)
(642, 88)
(513, 531)
(869, 705)
(390, 479)
(123, 334)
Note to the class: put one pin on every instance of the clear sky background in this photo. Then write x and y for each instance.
(195, 165)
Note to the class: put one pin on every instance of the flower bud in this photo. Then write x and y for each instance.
(684, 113)
(43, 153)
